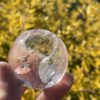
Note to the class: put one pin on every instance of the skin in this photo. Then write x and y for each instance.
(11, 89)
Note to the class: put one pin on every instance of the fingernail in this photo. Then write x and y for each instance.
(70, 78)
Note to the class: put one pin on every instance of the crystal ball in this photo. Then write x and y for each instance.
(39, 58)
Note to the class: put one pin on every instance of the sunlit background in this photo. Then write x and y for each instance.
(76, 22)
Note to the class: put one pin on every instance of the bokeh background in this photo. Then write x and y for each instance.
(76, 22)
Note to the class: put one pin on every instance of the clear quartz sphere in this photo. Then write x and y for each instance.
(39, 58)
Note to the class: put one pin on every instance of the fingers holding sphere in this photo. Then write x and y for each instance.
(59, 90)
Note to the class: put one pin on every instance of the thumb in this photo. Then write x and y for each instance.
(10, 89)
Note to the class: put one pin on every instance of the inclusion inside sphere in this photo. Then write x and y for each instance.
(39, 58)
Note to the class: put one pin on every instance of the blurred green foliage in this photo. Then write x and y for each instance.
(76, 22)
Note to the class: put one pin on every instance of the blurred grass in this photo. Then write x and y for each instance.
(76, 22)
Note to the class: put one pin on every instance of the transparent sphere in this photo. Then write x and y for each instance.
(39, 58)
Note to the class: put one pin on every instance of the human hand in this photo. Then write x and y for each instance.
(11, 89)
